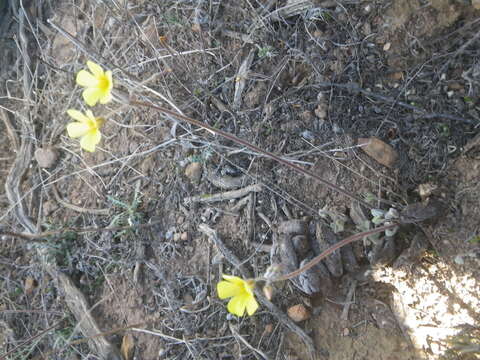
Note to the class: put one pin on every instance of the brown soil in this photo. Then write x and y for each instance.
(405, 72)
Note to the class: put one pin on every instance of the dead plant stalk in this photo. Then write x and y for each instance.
(252, 147)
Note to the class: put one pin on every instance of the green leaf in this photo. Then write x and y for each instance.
(474, 240)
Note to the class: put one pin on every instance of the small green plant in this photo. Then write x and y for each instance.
(15, 293)
(130, 214)
(197, 92)
(474, 240)
(266, 52)
(172, 19)
(59, 248)
(444, 130)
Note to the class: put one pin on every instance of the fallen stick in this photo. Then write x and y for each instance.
(229, 195)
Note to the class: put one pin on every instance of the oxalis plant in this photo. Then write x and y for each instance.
(98, 86)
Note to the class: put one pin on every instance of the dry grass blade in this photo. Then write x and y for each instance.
(241, 78)
(292, 8)
(80, 209)
(24, 154)
(246, 343)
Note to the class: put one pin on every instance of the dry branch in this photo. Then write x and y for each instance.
(229, 195)
(78, 305)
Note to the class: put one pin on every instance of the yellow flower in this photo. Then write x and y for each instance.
(87, 127)
(98, 84)
(241, 293)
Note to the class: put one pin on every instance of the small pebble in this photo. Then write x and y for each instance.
(321, 112)
(193, 171)
(30, 285)
(308, 135)
(268, 328)
(162, 353)
(188, 299)
(306, 115)
(298, 313)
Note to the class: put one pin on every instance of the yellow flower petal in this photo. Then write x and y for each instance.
(241, 293)
(91, 95)
(77, 129)
(237, 305)
(251, 305)
(234, 279)
(84, 78)
(90, 115)
(109, 76)
(90, 140)
(77, 115)
(96, 69)
(106, 98)
(87, 128)
(98, 84)
(226, 289)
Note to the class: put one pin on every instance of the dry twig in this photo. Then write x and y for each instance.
(229, 195)
(77, 208)
(254, 148)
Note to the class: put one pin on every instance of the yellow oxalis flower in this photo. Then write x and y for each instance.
(87, 127)
(241, 293)
(98, 84)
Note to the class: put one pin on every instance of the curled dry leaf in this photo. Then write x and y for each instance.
(46, 157)
(378, 150)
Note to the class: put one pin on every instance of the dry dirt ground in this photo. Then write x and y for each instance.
(302, 79)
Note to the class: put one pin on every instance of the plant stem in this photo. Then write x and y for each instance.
(331, 249)
(253, 148)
